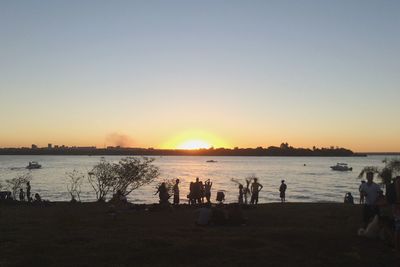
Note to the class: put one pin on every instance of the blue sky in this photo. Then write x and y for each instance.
(248, 72)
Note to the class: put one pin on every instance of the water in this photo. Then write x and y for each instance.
(315, 182)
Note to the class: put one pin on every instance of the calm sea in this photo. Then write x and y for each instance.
(312, 182)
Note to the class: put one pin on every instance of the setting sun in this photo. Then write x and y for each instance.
(194, 139)
(194, 144)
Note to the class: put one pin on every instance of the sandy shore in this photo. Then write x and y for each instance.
(293, 234)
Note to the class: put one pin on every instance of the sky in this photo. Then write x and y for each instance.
(223, 73)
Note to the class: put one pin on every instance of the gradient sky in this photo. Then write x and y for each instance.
(233, 73)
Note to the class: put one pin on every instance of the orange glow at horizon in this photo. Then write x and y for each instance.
(194, 140)
(194, 144)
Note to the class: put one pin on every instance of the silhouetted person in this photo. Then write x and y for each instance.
(219, 215)
(220, 197)
(207, 190)
(162, 192)
(241, 193)
(348, 198)
(255, 190)
(119, 198)
(235, 215)
(361, 195)
(371, 192)
(37, 198)
(191, 194)
(202, 191)
(21, 195)
(282, 191)
(197, 191)
(396, 217)
(28, 191)
(247, 191)
(176, 192)
(204, 215)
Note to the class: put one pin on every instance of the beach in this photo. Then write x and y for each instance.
(93, 234)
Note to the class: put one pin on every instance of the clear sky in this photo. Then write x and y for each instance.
(226, 73)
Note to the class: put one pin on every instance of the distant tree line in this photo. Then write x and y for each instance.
(283, 150)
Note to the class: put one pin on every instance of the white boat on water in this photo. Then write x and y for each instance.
(33, 165)
(341, 167)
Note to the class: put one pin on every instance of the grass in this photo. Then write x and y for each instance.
(293, 234)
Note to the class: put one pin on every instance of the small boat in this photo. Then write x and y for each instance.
(211, 161)
(33, 165)
(341, 167)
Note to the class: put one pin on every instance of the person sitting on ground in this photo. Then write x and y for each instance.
(241, 194)
(396, 217)
(21, 195)
(176, 192)
(255, 190)
(348, 198)
(118, 198)
(372, 230)
(37, 199)
(282, 191)
(235, 215)
(220, 197)
(163, 193)
(219, 215)
(204, 215)
(5, 195)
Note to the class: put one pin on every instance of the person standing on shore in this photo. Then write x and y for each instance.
(21, 195)
(197, 191)
(255, 190)
(247, 191)
(241, 194)
(370, 191)
(176, 192)
(207, 190)
(28, 191)
(282, 190)
(361, 195)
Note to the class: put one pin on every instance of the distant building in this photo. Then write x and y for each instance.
(49, 146)
(34, 146)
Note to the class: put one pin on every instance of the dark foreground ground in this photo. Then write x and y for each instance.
(64, 234)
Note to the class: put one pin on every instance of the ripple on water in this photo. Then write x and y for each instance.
(314, 182)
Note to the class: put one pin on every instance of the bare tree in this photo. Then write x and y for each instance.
(15, 184)
(74, 182)
(101, 178)
(132, 173)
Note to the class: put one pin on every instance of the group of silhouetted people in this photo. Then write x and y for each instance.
(22, 195)
(200, 192)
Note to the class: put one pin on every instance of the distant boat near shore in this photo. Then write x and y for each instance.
(211, 161)
(33, 165)
(341, 167)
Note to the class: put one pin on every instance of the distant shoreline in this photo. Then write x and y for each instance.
(237, 152)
